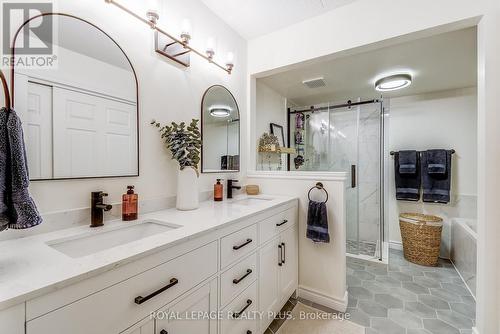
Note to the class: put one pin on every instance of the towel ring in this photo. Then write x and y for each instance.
(5, 90)
(318, 186)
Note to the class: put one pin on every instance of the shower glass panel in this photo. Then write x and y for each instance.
(333, 137)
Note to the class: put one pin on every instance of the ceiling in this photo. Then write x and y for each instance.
(440, 62)
(259, 17)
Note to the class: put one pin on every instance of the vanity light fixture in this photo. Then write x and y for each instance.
(186, 31)
(393, 82)
(230, 61)
(174, 48)
(210, 48)
(153, 17)
(220, 111)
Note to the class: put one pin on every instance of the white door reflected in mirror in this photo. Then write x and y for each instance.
(79, 116)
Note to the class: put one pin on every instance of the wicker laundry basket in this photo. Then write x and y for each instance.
(421, 235)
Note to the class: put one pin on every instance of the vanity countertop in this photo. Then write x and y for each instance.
(30, 268)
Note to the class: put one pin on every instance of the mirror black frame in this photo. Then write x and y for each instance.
(239, 132)
(12, 49)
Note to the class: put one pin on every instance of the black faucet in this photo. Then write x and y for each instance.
(230, 188)
(97, 207)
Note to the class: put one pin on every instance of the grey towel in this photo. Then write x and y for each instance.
(407, 185)
(436, 186)
(436, 161)
(407, 162)
(17, 208)
(317, 222)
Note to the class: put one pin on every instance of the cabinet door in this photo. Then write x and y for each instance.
(269, 270)
(192, 314)
(289, 268)
(147, 326)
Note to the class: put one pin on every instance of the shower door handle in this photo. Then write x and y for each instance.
(353, 176)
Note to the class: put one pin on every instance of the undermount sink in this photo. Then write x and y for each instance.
(95, 241)
(250, 201)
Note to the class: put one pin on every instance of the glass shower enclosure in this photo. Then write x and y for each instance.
(349, 138)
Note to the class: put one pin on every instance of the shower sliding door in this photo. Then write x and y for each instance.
(347, 138)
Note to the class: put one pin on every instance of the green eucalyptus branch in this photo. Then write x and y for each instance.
(184, 142)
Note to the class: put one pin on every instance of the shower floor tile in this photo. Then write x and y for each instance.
(364, 248)
(400, 300)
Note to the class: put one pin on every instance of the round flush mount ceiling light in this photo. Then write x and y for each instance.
(220, 111)
(393, 82)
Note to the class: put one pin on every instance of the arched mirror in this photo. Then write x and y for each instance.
(79, 106)
(220, 119)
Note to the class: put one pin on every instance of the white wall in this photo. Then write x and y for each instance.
(322, 267)
(167, 92)
(385, 22)
(448, 120)
(271, 108)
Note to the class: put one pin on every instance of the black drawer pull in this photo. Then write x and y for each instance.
(243, 244)
(237, 280)
(284, 252)
(282, 223)
(139, 300)
(163, 331)
(280, 254)
(238, 314)
(248, 332)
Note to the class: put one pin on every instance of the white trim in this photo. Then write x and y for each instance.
(321, 299)
(474, 330)
(463, 280)
(396, 245)
(319, 176)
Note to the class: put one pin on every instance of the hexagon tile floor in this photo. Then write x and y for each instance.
(405, 298)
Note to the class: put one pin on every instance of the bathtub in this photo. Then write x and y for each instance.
(464, 249)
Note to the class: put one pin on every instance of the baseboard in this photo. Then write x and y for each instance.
(322, 299)
(396, 245)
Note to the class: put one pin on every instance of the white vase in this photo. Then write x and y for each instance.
(187, 189)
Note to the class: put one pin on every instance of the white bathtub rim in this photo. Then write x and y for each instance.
(464, 225)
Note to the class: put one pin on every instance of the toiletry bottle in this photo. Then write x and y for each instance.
(218, 191)
(129, 204)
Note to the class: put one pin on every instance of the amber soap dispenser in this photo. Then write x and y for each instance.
(130, 204)
(218, 191)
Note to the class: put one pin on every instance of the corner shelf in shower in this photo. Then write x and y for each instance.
(281, 150)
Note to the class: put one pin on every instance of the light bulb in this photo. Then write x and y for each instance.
(185, 31)
(210, 48)
(230, 61)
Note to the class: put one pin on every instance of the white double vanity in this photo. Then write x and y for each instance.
(223, 268)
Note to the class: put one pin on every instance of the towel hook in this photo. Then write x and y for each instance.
(5, 90)
(318, 186)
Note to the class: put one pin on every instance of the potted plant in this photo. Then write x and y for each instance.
(184, 142)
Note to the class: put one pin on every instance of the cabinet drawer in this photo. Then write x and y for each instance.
(114, 308)
(273, 225)
(237, 278)
(247, 323)
(238, 244)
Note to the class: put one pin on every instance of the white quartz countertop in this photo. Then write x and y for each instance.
(29, 267)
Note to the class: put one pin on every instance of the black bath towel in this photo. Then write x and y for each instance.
(436, 161)
(407, 185)
(407, 162)
(436, 187)
(317, 222)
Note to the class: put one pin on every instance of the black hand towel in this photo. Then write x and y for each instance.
(436, 161)
(407, 185)
(317, 222)
(436, 187)
(407, 162)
